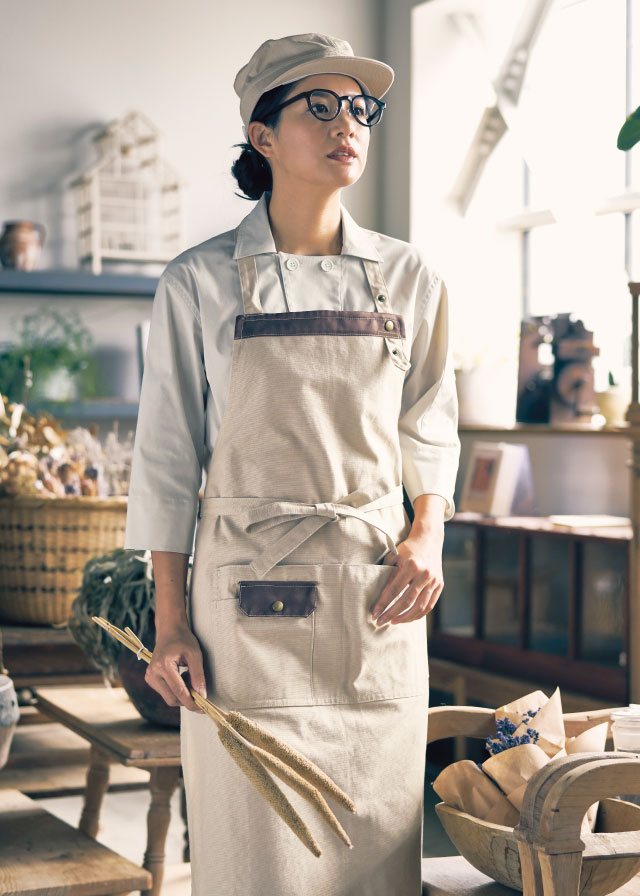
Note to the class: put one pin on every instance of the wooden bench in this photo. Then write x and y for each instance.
(40, 854)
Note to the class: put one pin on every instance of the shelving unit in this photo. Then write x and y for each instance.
(565, 429)
(96, 409)
(528, 598)
(58, 283)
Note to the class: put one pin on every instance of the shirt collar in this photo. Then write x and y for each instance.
(254, 236)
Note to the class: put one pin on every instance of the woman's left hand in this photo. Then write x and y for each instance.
(419, 565)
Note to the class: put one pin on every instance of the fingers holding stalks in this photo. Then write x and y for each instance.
(179, 648)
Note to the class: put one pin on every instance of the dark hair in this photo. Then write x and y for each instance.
(251, 169)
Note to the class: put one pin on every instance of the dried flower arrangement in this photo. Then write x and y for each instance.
(506, 736)
(38, 457)
(494, 790)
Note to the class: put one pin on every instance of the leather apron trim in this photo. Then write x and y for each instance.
(248, 272)
(325, 322)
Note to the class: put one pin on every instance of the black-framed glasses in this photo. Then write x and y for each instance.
(327, 105)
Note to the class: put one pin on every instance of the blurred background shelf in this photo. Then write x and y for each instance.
(73, 282)
(96, 409)
(545, 429)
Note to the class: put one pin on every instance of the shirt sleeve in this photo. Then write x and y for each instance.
(166, 471)
(428, 424)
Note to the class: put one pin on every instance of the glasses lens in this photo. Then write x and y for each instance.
(324, 106)
(367, 109)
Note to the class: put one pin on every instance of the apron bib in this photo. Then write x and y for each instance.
(303, 499)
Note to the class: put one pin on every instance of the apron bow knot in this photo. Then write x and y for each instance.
(327, 509)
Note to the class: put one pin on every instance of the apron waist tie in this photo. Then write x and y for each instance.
(265, 514)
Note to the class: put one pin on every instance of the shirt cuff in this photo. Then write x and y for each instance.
(430, 476)
(160, 525)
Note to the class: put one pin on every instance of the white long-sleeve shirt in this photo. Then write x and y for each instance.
(188, 363)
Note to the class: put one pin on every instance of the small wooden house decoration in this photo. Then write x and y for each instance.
(128, 203)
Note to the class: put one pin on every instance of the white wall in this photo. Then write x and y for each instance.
(70, 67)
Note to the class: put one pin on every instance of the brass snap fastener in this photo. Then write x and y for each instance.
(277, 606)
(388, 325)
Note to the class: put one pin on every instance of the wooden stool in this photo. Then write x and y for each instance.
(40, 854)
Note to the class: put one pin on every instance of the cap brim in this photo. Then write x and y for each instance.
(376, 76)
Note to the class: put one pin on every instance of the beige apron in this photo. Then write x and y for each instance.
(303, 500)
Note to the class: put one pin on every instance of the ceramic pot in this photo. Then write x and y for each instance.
(613, 404)
(149, 703)
(20, 244)
(9, 715)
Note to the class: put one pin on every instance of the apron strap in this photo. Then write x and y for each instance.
(249, 284)
(379, 292)
(265, 514)
(382, 303)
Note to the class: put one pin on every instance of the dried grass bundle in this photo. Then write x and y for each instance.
(255, 749)
(262, 781)
(263, 738)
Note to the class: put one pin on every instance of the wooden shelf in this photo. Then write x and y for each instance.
(96, 409)
(547, 428)
(71, 282)
(542, 524)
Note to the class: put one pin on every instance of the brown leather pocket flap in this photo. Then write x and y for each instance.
(277, 598)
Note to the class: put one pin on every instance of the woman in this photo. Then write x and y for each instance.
(314, 354)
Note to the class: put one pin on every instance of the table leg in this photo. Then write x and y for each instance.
(164, 779)
(97, 785)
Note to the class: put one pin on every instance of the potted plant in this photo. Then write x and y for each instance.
(119, 586)
(51, 360)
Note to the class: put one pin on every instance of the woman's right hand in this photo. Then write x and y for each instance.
(174, 648)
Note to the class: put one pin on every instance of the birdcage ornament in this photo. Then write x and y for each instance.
(128, 203)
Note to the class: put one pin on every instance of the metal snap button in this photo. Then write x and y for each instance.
(382, 298)
(388, 325)
(292, 264)
(277, 606)
(326, 264)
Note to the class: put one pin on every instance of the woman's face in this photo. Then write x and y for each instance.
(298, 147)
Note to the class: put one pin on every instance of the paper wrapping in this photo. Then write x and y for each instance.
(495, 791)
(464, 786)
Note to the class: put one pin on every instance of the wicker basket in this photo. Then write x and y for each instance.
(44, 546)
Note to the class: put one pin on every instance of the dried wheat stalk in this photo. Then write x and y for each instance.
(262, 780)
(255, 749)
(268, 741)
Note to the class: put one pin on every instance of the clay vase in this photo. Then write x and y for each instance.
(20, 244)
(149, 703)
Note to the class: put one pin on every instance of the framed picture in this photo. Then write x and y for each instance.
(499, 480)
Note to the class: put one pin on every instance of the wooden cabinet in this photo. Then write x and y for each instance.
(523, 597)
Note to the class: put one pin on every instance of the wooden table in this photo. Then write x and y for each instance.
(117, 733)
(40, 855)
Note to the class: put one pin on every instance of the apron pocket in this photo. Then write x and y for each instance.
(262, 637)
(373, 663)
(319, 647)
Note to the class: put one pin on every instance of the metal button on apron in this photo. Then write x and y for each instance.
(292, 263)
(388, 325)
(277, 606)
(326, 264)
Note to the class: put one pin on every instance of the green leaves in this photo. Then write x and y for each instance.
(630, 131)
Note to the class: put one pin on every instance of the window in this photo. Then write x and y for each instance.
(548, 227)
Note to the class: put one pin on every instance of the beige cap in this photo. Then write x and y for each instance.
(295, 56)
